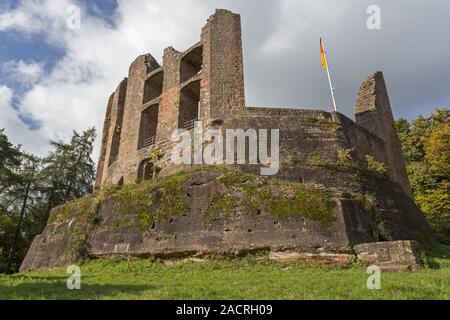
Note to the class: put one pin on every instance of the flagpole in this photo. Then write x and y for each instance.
(329, 79)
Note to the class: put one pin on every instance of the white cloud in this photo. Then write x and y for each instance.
(73, 96)
(15, 129)
(25, 73)
(280, 47)
(37, 16)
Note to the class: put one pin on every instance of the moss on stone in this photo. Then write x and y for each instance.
(144, 204)
(222, 206)
(322, 124)
(173, 196)
(369, 206)
(59, 215)
(289, 159)
(82, 214)
(153, 201)
(232, 178)
(318, 160)
(279, 198)
(301, 200)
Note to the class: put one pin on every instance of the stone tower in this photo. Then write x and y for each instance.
(205, 82)
(316, 205)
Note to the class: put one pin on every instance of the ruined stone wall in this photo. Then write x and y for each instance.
(113, 131)
(207, 81)
(308, 136)
(223, 78)
(225, 211)
(373, 111)
(105, 135)
(360, 140)
(170, 100)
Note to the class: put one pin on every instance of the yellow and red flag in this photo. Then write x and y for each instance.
(323, 55)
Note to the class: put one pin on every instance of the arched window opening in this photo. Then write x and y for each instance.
(189, 106)
(191, 64)
(153, 87)
(146, 170)
(148, 127)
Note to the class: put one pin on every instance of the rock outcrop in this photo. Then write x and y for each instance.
(219, 211)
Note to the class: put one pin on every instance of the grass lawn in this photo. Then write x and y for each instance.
(247, 278)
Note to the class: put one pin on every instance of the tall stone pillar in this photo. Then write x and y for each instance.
(138, 72)
(373, 111)
(170, 98)
(111, 150)
(222, 88)
(105, 139)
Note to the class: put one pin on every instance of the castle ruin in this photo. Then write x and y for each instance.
(206, 83)
(316, 204)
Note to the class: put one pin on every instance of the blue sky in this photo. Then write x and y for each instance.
(19, 46)
(54, 80)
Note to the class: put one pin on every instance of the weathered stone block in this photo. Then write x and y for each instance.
(391, 255)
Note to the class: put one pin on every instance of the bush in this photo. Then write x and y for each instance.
(375, 166)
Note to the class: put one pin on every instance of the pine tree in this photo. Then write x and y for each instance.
(30, 187)
(9, 161)
(23, 196)
(69, 170)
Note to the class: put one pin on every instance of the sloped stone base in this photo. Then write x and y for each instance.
(219, 212)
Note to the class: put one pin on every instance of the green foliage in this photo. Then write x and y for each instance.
(375, 166)
(279, 198)
(152, 201)
(223, 204)
(327, 125)
(156, 155)
(69, 170)
(30, 187)
(7, 227)
(10, 158)
(437, 150)
(345, 157)
(426, 145)
(21, 203)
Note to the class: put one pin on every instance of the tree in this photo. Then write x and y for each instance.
(437, 151)
(69, 170)
(426, 145)
(9, 160)
(30, 187)
(23, 192)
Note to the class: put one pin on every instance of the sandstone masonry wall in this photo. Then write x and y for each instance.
(206, 82)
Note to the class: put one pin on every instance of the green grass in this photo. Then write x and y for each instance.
(246, 278)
